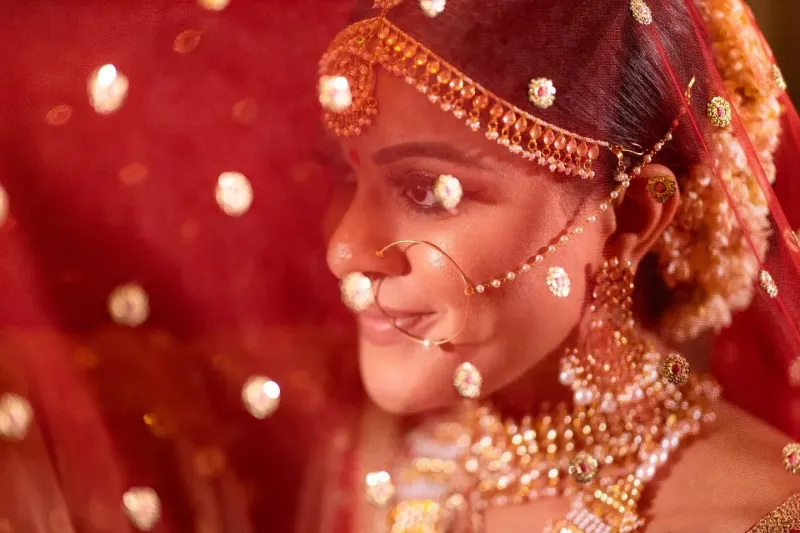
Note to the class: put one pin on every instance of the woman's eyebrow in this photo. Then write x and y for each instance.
(434, 150)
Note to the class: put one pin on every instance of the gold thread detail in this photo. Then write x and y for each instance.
(782, 519)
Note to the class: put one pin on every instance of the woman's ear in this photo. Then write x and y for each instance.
(645, 213)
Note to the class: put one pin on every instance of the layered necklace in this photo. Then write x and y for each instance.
(632, 407)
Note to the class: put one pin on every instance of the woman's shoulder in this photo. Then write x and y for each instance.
(726, 480)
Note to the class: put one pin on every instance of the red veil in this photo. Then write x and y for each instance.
(99, 198)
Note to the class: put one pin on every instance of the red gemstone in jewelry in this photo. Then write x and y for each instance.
(719, 112)
(583, 467)
(675, 369)
(541, 92)
(660, 187)
(791, 458)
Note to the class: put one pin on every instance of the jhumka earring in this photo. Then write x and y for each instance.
(614, 367)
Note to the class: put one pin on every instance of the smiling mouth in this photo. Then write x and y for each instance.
(381, 330)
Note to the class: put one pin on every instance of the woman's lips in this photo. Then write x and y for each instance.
(379, 330)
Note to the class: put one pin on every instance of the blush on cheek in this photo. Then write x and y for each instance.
(355, 159)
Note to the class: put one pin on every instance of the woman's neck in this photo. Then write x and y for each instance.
(537, 388)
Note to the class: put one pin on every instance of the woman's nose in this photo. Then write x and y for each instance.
(364, 229)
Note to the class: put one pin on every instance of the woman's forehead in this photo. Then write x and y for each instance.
(405, 116)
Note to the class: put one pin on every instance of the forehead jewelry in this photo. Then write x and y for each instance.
(468, 292)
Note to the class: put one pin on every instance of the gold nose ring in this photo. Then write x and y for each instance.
(468, 291)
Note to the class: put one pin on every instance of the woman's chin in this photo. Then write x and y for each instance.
(406, 379)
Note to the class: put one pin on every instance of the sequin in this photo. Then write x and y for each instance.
(467, 380)
(447, 191)
(234, 193)
(719, 112)
(261, 396)
(334, 93)
(59, 115)
(641, 12)
(3, 205)
(186, 41)
(379, 488)
(432, 8)
(214, 5)
(780, 81)
(356, 291)
(142, 506)
(558, 282)
(675, 369)
(128, 305)
(768, 284)
(583, 467)
(107, 89)
(791, 457)
(16, 415)
(541, 93)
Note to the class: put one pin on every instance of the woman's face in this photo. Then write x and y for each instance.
(510, 210)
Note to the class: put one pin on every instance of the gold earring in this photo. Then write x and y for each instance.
(661, 188)
(468, 291)
(615, 365)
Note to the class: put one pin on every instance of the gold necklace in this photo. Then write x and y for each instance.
(455, 470)
(631, 409)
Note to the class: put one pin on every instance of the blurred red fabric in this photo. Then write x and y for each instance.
(97, 201)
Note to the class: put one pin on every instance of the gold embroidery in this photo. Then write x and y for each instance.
(782, 519)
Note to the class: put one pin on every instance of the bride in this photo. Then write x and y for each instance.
(558, 227)
(542, 200)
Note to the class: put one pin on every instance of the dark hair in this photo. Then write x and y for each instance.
(610, 71)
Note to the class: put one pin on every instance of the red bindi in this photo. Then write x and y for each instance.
(355, 159)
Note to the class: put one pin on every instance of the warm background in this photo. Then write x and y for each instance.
(98, 201)
(780, 19)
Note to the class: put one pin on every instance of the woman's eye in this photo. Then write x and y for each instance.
(422, 195)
